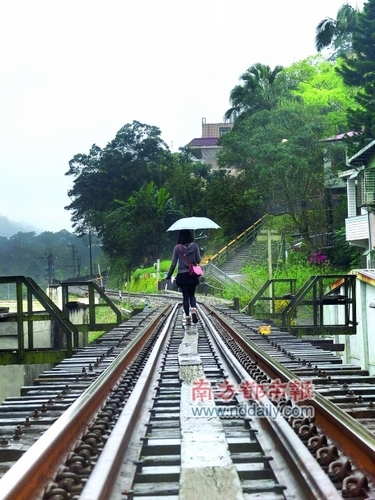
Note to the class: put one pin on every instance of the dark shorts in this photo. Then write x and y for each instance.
(186, 279)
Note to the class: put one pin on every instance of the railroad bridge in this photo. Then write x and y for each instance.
(216, 410)
(274, 401)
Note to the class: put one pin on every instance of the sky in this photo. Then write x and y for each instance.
(73, 72)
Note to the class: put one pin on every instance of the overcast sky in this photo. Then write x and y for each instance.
(73, 72)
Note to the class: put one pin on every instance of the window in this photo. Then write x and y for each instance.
(224, 130)
(366, 188)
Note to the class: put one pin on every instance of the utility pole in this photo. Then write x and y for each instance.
(50, 269)
(74, 252)
(269, 253)
(47, 260)
(90, 252)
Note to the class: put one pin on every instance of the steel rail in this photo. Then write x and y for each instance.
(102, 479)
(305, 470)
(352, 436)
(30, 475)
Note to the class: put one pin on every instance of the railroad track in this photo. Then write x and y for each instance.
(159, 409)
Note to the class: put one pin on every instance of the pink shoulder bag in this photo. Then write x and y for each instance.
(194, 269)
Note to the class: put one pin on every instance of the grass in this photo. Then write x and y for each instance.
(144, 280)
(298, 268)
(106, 315)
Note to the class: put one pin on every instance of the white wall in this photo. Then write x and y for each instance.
(359, 348)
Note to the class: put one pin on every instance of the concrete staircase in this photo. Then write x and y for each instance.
(237, 261)
(255, 253)
(250, 247)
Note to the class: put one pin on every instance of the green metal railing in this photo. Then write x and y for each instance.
(28, 291)
(33, 304)
(303, 312)
(319, 291)
(272, 298)
(92, 288)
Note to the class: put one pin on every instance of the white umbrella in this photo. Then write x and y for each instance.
(193, 223)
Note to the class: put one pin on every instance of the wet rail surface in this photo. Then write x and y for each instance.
(140, 438)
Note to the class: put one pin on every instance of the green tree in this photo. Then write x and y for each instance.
(261, 88)
(360, 72)
(281, 155)
(136, 156)
(337, 34)
(138, 225)
(231, 201)
(186, 183)
(343, 255)
(121, 192)
(319, 84)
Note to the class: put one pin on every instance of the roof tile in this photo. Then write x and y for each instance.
(203, 141)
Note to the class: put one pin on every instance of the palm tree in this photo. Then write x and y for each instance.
(337, 33)
(259, 90)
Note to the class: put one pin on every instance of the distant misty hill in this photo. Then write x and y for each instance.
(8, 228)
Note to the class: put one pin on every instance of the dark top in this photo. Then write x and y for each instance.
(192, 253)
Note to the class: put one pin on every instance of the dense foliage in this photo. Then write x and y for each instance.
(261, 88)
(320, 86)
(359, 72)
(50, 256)
(136, 156)
(337, 34)
(280, 154)
(280, 151)
(123, 192)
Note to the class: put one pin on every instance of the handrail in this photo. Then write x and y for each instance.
(26, 314)
(320, 241)
(271, 297)
(243, 238)
(92, 288)
(22, 355)
(321, 297)
(223, 277)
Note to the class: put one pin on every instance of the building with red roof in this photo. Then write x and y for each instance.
(205, 148)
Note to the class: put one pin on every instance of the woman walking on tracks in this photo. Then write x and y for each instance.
(186, 252)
